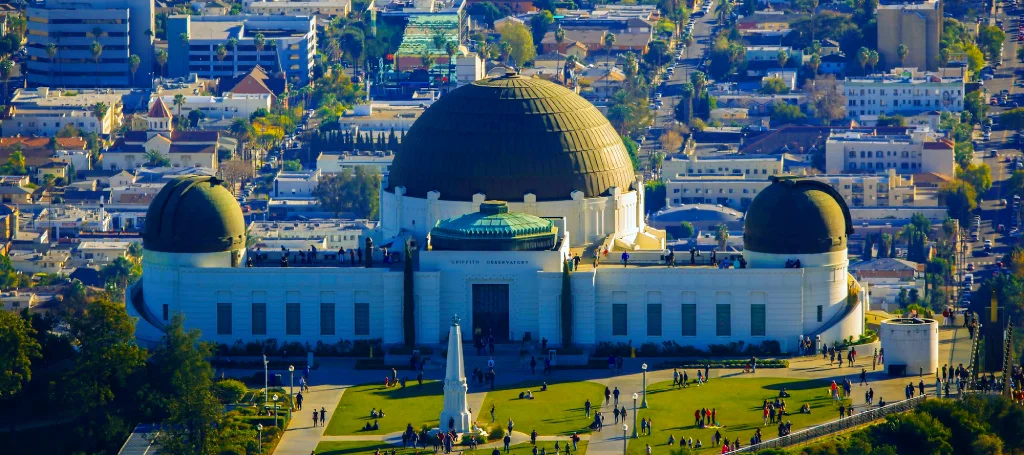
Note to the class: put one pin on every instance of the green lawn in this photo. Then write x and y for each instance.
(370, 447)
(557, 411)
(416, 404)
(738, 404)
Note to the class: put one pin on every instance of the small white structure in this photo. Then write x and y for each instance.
(913, 342)
(455, 415)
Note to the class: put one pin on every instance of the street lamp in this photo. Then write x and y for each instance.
(291, 391)
(625, 428)
(275, 409)
(635, 396)
(644, 405)
(259, 431)
(266, 377)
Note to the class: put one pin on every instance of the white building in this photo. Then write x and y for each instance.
(327, 8)
(97, 253)
(53, 261)
(80, 159)
(761, 166)
(499, 265)
(904, 92)
(300, 184)
(347, 234)
(229, 106)
(334, 163)
(43, 112)
(921, 151)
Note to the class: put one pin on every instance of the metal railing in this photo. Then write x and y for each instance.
(834, 426)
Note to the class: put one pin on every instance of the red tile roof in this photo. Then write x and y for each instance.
(159, 109)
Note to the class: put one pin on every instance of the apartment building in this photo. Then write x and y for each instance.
(43, 112)
(289, 45)
(920, 151)
(916, 24)
(904, 91)
(737, 191)
(122, 28)
(327, 8)
(754, 166)
(229, 106)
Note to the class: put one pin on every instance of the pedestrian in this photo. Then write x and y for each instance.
(607, 396)
(625, 258)
(492, 413)
(863, 376)
(842, 411)
(616, 394)
(508, 441)
(510, 425)
(586, 408)
(305, 372)
(707, 371)
(316, 416)
(615, 412)
(298, 401)
(323, 416)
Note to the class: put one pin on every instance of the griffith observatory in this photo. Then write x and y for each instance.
(495, 186)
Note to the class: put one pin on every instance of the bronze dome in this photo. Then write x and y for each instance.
(508, 136)
(194, 214)
(797, 216)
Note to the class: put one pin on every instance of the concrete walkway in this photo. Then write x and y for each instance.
(334, 375)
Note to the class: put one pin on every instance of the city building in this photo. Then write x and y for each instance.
(44, 111)
(323, 8)
(126, 28)
(347, 234)
(289, 45)
(229, 106)
(333, 163)
(761, 166)
(738, 191)
(257, 82)
(15, 301)
(491, 232)
(52, 262)
(97, 253)
(295, 184)
(916, 24)
(919, 151)
(904, 92)
(184, 149)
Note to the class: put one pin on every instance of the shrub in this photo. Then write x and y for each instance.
(230, 390)
(233, 450)
(495, 433)
(605, 349)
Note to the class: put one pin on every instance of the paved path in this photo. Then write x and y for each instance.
(301, 438)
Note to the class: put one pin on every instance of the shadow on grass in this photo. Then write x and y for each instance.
(409, 391)
(806, 384)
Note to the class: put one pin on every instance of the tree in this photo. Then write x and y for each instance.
(977, 175)
(161, 59)
(873, 60)
(408, 299)
(18, 346)
(671, 140)
(1012, 119)
(814, 63)
(949, 227)
(868, 249)
(974, 103)
(6, 67)
(179, 101)
(521, 42)
(119, 273)
(260, 42)
(487, 11)
(774, 85)
(987, 444)
(684, 110)
(194, 117)
(895, 120)
(901, 51)
(723, 11)
(827, 101)
(539, 24)
(863, 56)
(505, 51)
(960, 200)
(222, 52)
(782, 57)
(451, 48)
(156, 159)
(990, 40)
(16, 162)
(609, 41)
(51, 52)
(721, 236)
(784, 113)
(195, 415)
(686, 230)
(350, 191)
(566, 306)
(235, 171)
(133, 62)
(658, 53)
(100, 110)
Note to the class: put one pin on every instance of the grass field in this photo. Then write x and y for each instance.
(416, 404)
(738, 404)
(557, 411)
(370, 447)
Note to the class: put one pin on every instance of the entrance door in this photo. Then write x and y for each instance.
(490, 311)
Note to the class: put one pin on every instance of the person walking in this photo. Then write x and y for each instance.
(615, 412)
(625, 259)
(586, 409)
(863, 376)
(323, 416)
(616, 395)
(316, 416)
(510, 425)
(492, 413)
(298, 401)
(607, 396)
(508, 441)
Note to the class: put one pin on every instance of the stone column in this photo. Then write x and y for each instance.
(455, 414)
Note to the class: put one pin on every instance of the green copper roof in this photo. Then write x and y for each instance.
(494, 228)
(797, 216)
(508, 136)
(194, 214)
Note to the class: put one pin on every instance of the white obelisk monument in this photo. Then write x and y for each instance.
(455, 415)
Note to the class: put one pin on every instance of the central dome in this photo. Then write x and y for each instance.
(508, 136)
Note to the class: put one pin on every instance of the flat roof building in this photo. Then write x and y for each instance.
(904, 91)
(921, 151)
(44, 111)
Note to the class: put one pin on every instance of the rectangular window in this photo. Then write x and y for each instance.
(362, 319)
(223, 319)
(291, 319)
(723, 319)
(757, 320)
(259, 319)
(619, 325)
(327, 319)
(654, 319)
(820, 311)
(165, 311)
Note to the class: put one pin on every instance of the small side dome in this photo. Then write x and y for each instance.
(797, 216)
(194, 214)
(494, 228)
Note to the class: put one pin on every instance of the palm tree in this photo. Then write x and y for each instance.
(506, 51)
(722, 236)
(698, 79)
(873, 60)
(559, 37)
(161, 59)
(814, 63)
(155, 158)
(450, 48)
(97, 32)
(570, 62)
(179, 100)
(862, 58)
(783, 57)
(687, 91)
(51, 51)
(97, 50)
(609, 41)
(99, 110)
(259, 40)
(427, 60)
(133, 62)
(812, 9)
(723, 10)
(901, 51)
(484, 50)
(222, 52)
(6, 66)
(233, 46)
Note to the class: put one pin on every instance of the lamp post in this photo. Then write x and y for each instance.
(625, 428)
(291, 391)
(266, 377)
(644, 405)
(259, 431)
(275, 409)
(635, 396)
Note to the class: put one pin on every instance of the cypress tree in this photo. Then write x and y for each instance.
(566, 306)
(408, 301)
(867, 249)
